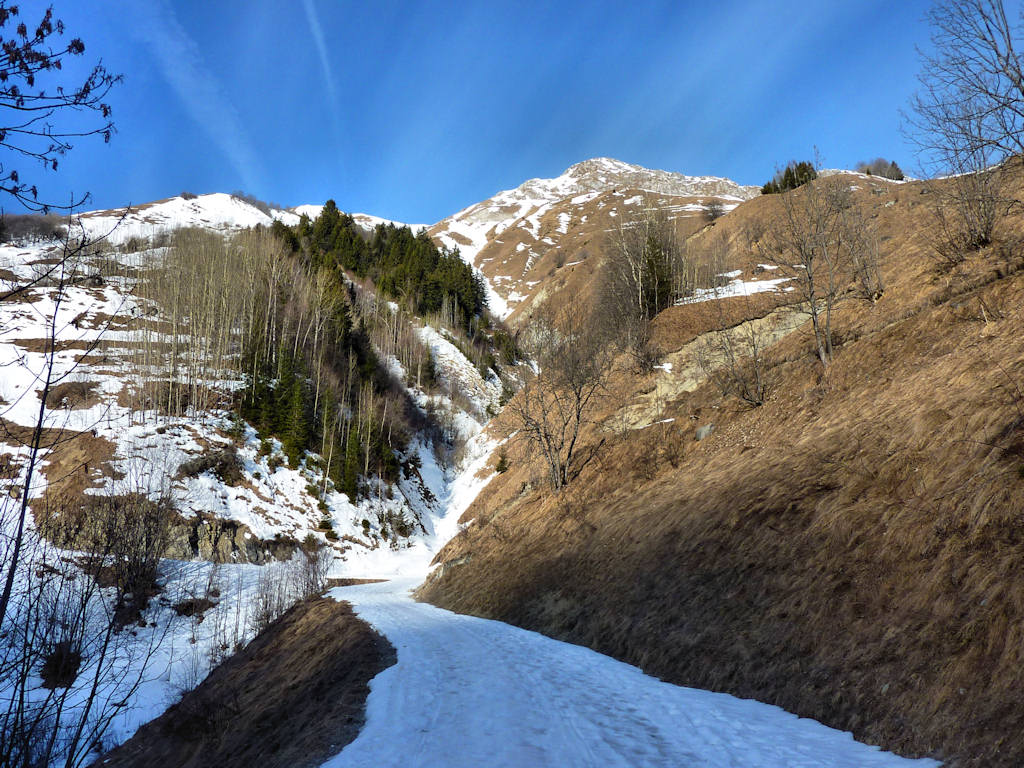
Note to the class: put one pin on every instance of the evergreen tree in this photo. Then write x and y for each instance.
(299, 428)
(325, 226)
(792, 176)
(349, 484)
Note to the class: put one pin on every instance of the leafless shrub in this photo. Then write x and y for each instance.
(552, 408)
(713, 211)
(733, 358)
(282, 584)
(821, 244)
(225, 464)
(274, 595)
(314, 564)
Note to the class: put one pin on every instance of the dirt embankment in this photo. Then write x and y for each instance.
(293, 697)
(852, 551)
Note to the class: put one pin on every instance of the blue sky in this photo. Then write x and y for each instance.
(414, 110)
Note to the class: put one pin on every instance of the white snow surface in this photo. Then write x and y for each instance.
(217, 211)
(735, 287)
(471, 692)
(365, 220)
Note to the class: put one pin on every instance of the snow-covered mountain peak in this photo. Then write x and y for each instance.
(507, 234)
(603, 173)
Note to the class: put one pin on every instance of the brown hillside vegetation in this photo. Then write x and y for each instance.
(852, 551)
(560, 259)
(293, 697)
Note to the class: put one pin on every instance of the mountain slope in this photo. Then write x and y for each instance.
(217, 211)
(851, 551)
(237, 529)
(536, 233)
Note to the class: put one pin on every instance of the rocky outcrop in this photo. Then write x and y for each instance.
(224, 541)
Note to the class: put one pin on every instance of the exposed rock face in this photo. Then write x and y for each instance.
(603, 173)
(224, 541)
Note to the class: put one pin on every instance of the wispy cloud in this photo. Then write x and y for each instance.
(317, 31)
(181, 63)
(321, 46)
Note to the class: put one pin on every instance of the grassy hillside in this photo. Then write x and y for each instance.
(852, 550)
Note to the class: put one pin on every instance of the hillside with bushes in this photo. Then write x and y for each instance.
(846, 546)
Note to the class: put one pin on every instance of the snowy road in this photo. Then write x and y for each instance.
(471, 692)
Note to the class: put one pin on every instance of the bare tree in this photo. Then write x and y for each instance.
(972, 85)
(40, 116)
(813, 242)
(644, 272)
(572, 365)
(732, 356)
(968, 117)
(862, 242)
(887, 169)
(714, 209)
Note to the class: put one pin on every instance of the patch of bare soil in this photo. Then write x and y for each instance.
(293, 697)
(352, 582)
(43, 346)
(45, 262)
(72, 395)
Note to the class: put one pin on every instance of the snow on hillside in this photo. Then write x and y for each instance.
(475, 227)
(579, 183)
(95, 322)
(312, 211)
(217, 211)
(365, 220)
(737, 287)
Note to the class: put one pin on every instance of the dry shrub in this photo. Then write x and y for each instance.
(60, 665)
(72, 395)
(225, 465)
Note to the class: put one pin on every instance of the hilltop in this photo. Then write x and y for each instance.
(527, 241)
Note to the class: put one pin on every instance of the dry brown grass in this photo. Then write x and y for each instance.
(293, 697)
(72, 395)
(853, 550)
